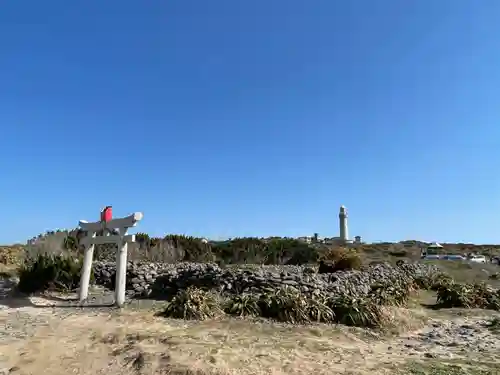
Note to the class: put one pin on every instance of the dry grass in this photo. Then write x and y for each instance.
(140, 343)
(8, 270)
(11, 255)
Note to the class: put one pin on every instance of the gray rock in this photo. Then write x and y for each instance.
(163, 278)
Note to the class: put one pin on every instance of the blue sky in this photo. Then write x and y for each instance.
(235, 118)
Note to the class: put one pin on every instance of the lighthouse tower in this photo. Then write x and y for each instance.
(344, 231)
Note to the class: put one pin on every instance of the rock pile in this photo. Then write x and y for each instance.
(162, 280)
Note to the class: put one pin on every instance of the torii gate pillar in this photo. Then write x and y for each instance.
(122, 240)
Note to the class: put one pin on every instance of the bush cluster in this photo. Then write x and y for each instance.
(251, 250)
(50, 272)
(291, 306)
(340, 259)
(477, 295)
(193, 303)
(433, 282)
(286, 305)
(10, 255)
(395, 294)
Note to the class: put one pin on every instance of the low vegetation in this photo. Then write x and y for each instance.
(339, 259)
(290, 306)
(193, 303)
(249, 250)
(284, 305)
(62, 272)
(49, 272)
(477, 295)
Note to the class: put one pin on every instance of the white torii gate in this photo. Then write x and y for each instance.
(121, 240)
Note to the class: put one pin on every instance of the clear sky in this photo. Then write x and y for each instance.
(252, 118)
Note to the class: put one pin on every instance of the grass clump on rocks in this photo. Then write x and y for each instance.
(391, 294)
(478, 295)
(433, 281)
(285, 305)
(319, 309)
(242, 305)
(193, 304)
(358, 312)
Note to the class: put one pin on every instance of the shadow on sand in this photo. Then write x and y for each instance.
(15, 300)
(20, 302)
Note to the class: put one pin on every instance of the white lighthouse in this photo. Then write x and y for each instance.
(344, 230)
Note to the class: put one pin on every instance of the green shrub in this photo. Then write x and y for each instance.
(154, 241)
(193, 304)
(142, 237)
(469, 296)
(288, 305)
(348, 262)
(291, 306)
(433, 282)
(486, 296)
(144, 240)
(247, 250)
(50, 272)
(335, 254)
(70, 243)
(195, 250)
(398, 253)
(341, 259)
(319, 310)
(288, 250)
(455, 295)
(358, 312)
(11, 255)
(303, 255)
(243, 305)
(285, 305)
(391, 294)
(274, 250)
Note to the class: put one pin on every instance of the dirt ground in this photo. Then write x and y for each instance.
(40, 336)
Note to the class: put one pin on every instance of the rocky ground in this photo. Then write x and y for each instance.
(50, 335)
